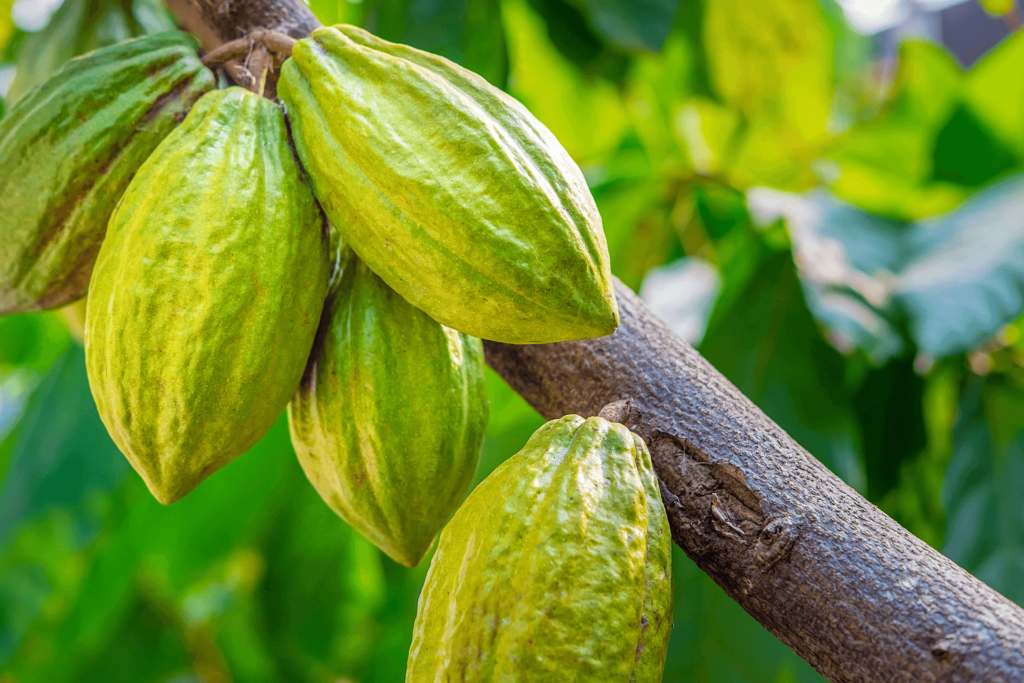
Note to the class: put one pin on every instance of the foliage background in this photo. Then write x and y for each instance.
(842, 238)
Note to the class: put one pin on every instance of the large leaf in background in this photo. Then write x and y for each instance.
(468, 32)
(767, 344)
(964, 274)
(632, 24)
(63, 453)
(843, 256)
(957, 278)
(884, 163)
(557, 94)
(571, 33)
(967, 153)
(772, 61)
(984, 489)
(166, 548)
(889, 406)
(994, 91)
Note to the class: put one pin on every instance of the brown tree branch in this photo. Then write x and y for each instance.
(827, 572)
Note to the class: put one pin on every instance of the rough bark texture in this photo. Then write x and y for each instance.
(838, 581)
(827, 572)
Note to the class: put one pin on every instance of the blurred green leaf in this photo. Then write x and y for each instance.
(637, 25)
(333, 12)
(995, 94)
(967, 153)
(557, 94)
(32, 341)
(984, 483)
(964, 275)
(468, 32)
(63, 453)
(844, 257)
(885, 163)
(892, 431)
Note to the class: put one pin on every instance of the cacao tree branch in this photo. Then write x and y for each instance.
(827, 572)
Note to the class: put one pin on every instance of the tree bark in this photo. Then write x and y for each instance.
(827, 572)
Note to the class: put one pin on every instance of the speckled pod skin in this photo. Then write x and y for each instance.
(207, 294)
(556, 568)
(68, 150)
(449, 189)
(390, 416)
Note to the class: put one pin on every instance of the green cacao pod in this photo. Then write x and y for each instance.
(390, 415)
(556, 568)
(207, 294)
(449, 189)
(77, 27)
(68, 150)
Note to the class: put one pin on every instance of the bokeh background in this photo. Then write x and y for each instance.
(826, 199)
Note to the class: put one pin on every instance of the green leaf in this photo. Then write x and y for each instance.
(636, 25)
(843, 256)
(468, 32)
(62, 453)
(964, 277)
(983, 485)
(557, 94)
(893, 431)
(967, 153)
(884, 164)
(994, 91)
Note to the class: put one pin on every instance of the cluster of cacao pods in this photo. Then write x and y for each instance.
(230, 274)
(345, 268)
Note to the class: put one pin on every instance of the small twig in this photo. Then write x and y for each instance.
(275, 43)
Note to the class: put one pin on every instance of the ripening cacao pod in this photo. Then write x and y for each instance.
(68, 150)
(449, 189)
(79, 26)
(207, 294)
(390, 415)
(556, 568)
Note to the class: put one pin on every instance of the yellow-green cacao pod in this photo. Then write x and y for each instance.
(556, 568)
(207, 294)
(449, 189)
(68, 150)
(390, 415)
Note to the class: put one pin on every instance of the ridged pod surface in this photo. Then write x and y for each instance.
(390, 416)
(68, 150)
(207, 294)
(449, 189)
(556, 568)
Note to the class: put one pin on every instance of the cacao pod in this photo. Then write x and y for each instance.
(78, 26)
(207, 294)
(390, 415)
(68, 150)
(556, 568)
(449, 189)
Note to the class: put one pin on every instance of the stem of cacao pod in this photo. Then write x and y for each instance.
(833, 577)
